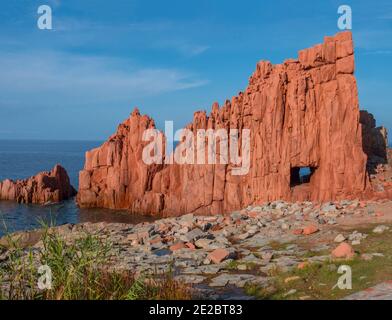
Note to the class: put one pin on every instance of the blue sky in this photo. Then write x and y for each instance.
(169, 58)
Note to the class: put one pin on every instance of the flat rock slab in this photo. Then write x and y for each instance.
(189, 279)
(239, 280)
(382, 291)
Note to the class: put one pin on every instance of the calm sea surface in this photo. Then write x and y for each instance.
(22, 159)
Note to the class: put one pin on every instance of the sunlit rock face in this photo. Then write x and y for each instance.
(302, 113)
(45, 187)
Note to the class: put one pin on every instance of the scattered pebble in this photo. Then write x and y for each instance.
(380, 229)
(340, 238)
(290, 279)
(290, 292)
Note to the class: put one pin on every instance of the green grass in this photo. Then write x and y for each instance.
(79, 271)
(277, 245)
(233, 265)
(317, 280)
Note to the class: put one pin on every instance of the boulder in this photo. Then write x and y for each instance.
(310, 229)
(43, 188)
(177, 246)
(344, 251)
(218, 255)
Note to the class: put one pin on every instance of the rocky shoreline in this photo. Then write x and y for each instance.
(222, 232)
(220, 255)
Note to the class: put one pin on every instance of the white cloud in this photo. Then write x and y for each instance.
(63, 78)
(149, 34)
(192, 50)
(184, 47)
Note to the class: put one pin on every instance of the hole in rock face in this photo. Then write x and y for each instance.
(300, 175)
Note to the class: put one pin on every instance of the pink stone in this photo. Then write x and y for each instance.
(310, 229)
(177, 246)
(227, 220)
(302, 265)
(297, 231)
(218, 255)
(155, 240)
(343, 250)
(190, 245)
(253, 214)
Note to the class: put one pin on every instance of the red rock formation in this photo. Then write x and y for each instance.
(375, 139)
(45, 187)
(301, 113)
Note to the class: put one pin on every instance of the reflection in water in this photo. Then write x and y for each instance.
(14, 216)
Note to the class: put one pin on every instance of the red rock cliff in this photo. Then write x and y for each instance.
(45, 187)
(301, 113)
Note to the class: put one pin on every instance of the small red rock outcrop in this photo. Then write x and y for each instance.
(218, 255)
(343, 250)
(310, 229)
(301, 113)
(45, 187)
